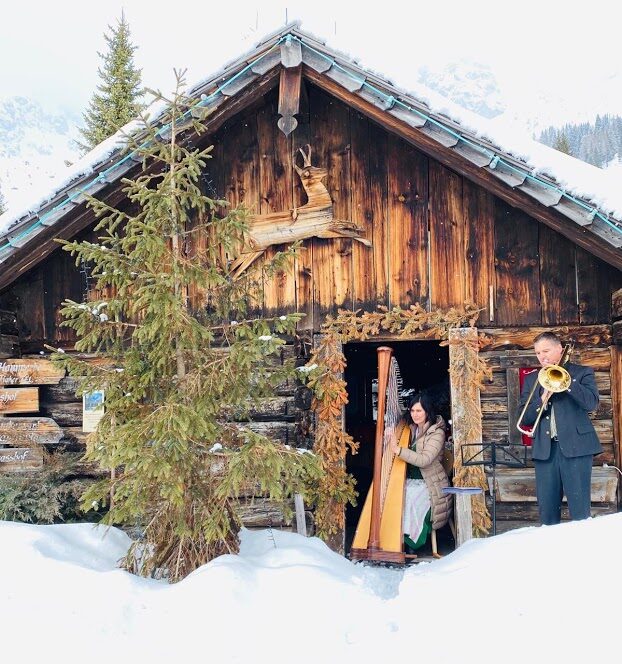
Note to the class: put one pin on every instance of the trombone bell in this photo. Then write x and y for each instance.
(554, 378)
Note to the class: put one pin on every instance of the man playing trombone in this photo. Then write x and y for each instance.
(556, 401)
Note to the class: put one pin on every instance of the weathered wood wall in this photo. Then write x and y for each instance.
(437, 239)
(48, 418)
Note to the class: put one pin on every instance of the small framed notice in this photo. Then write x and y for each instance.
(92, 409)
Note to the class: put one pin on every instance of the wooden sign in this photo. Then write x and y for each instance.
(15, 459)
(19, 400)
(14, 371)
(20, 431)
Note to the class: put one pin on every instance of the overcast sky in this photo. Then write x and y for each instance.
(48, 50)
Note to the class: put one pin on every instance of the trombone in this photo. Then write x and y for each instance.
(553, 379)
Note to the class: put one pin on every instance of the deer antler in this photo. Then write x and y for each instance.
(306, 158)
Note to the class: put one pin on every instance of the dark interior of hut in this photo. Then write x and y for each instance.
(423, 365)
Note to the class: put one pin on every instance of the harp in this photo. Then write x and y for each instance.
(379, 535)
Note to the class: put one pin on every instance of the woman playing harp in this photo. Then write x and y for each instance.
(379, 532)
(426, 507)
(406, 501)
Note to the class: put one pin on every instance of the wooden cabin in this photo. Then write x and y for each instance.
(420, 210)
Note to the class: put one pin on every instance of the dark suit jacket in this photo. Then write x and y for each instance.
(575, 430)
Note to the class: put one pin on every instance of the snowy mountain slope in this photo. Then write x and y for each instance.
(467, 83)
(530, 105)
(35, 144)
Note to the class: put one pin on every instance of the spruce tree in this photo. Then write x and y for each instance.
(117, 100)
(561, 143)
(179, 385)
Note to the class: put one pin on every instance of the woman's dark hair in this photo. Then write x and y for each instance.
(426, 403)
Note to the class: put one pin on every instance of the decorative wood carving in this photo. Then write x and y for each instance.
(291, 52)
(289, 99)
(314, 219)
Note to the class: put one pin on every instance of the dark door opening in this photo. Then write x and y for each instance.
(423, 365)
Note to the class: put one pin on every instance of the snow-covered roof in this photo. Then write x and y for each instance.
(588, 198)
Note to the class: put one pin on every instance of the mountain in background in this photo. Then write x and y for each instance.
(35, 146)
(543, 113)
(469, 84)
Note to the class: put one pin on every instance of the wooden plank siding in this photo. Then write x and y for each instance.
(558, 286)
(60, 284)
(479, 250)
(369, 211)
(596, 281)
(241, 173)
(447, 238)
(408, 260)
(516, 267)
(27, 299)
(332, 259)
(303, 269)
(437, 238)
(276, 191)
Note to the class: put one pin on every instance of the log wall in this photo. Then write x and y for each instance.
(54, 425)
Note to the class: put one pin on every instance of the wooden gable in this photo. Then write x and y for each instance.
(436, 237)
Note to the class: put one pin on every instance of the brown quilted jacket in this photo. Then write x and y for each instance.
(427, 453)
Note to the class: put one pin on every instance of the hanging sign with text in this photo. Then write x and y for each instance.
(14, 458)
(16, 371)
(20, 431)
(19, 400)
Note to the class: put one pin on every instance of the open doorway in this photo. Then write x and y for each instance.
(423, 365)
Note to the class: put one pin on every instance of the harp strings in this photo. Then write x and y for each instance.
(393, 414)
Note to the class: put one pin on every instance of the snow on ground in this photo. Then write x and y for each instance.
(524, 596)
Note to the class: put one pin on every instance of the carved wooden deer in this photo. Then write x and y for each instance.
(313, 219)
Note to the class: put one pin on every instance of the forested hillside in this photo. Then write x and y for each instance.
(597, 143)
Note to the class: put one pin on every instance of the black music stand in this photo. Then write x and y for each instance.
(509, 458)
